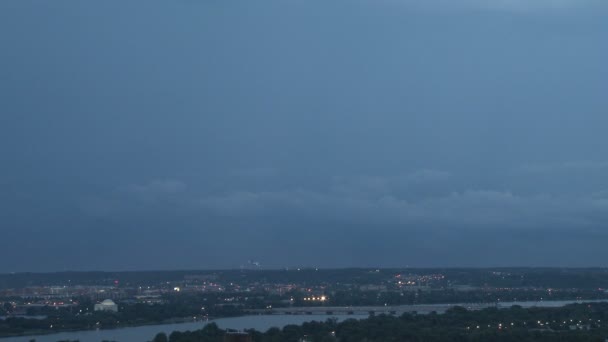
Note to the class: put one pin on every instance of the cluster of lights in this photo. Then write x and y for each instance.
(406, 283)
(540, 323)
(421, 278)
(316, 299)
(500, 326)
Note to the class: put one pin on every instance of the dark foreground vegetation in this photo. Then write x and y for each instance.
(579, 322)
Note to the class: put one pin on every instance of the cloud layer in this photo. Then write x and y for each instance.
(505, 5)
(421, 199)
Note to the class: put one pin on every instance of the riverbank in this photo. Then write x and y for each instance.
(298, 314)
(33, 333)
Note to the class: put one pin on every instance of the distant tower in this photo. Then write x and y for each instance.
(253, 265)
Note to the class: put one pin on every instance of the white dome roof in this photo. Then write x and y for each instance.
(108, 302)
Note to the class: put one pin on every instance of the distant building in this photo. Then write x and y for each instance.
(373, 287)
(106, 305)
(580, 327)
(464, 288)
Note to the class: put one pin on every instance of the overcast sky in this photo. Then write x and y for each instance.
(202, 134)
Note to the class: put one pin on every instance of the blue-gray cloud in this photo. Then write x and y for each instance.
(378, 201)
(478, 209)
(503, 5)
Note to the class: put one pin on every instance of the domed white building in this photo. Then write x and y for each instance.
(106, 305)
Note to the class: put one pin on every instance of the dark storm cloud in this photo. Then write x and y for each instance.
(377, 131)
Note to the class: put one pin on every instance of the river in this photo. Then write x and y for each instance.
(147, 332)
(258, 322)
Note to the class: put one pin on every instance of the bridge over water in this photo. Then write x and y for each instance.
(367, 310)
(401, 309)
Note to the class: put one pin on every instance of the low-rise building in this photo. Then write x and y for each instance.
(106, 305)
